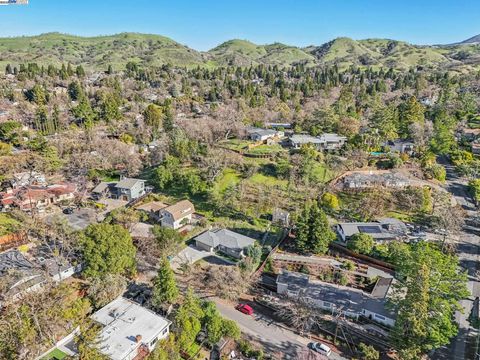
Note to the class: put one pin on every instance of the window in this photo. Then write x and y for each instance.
(379, 317)
(153, 342)
(165, 331)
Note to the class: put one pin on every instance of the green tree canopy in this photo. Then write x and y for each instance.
(107, 249)
(165, 288)
(361, 243)
(313, 230)
(426, 300)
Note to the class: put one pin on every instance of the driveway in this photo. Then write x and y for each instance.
(261, 329)
(190, 255)
(81, 218)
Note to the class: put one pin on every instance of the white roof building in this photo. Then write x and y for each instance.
(128, 329)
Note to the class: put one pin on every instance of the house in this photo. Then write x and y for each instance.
(382, 231)
(129, 189)
(129, 330)
(224, 241)
(336, 299)
(23, 273)
(126, 189)
(362, 180)
(28, 178)
(281, 217)
(36, 198)
(177, 215)
(152, 208)
(322, 142)
(400, 146)
(274, 125)
(258, 134)
(296, 141)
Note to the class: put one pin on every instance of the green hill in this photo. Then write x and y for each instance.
(155, 50)
(242, 53)
(97, 52)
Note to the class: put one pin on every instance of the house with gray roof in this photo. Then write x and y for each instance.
(258, 134)
(337, 299)
(127, 189)
(384, 230)
(323, 142)
(224, 241)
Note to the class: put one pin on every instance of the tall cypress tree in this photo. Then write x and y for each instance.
(165, 288)
(313, 231)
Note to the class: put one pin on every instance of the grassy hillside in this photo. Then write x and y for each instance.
(242, 53)
(154, 50)
(97, 52)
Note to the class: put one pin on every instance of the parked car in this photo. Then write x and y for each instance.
(320, 348)
(68, 211)
(244, 308)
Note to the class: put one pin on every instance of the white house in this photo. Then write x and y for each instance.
(258, 134)
(177, 215)
(129, 329)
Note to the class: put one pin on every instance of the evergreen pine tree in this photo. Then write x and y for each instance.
(165, 288)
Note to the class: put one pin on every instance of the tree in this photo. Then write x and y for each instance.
(165, 288)
(313, 231)
(87, 342)
(167, 240)
(361, 243)
(75, 91)
(153, 116)
(103, 290)
(330, 201)
(426, 300)
(368, 352)
(84, 112)
(107, 249)
(411, 112)
(80, 71)
(166, 349)
(217, 327)
(188, 319)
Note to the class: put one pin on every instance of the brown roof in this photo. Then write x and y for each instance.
(152, 206)
(181, 209)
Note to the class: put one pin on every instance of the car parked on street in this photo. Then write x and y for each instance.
(320, 348)
(244, 308)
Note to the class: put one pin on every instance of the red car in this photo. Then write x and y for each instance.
(244, 308)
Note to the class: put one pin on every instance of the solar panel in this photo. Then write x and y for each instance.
(370, 229)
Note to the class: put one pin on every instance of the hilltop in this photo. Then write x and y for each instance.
(155, 50)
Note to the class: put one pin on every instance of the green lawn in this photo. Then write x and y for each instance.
(322, 173)
(235, 144)
(266, 150)
(8, 224)
(268, 180)
(229, 178)
(55, 354)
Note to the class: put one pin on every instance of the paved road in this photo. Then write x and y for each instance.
(468, 250)
(263, 330)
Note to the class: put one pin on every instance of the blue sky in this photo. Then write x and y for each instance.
(203, 24)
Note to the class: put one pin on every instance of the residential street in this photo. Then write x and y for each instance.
(265, 331)
(468, 252)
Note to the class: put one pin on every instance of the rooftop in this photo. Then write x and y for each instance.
(225, 238)
(349, 299)
(123, 321)
(180, 209)
(128, 183)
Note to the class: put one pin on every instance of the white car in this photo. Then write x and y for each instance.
(320, 348)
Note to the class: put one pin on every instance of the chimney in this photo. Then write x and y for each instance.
(138, 338)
